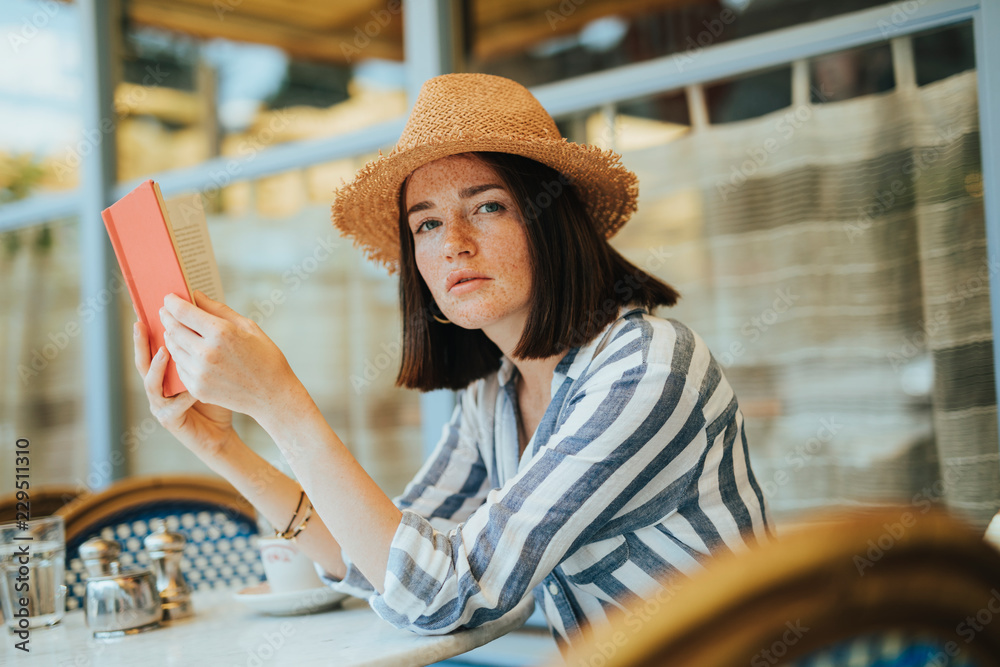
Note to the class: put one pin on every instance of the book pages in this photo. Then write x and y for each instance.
(189, 230)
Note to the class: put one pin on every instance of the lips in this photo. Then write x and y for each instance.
(462, 275)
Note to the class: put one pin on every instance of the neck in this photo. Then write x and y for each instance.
(535, 374)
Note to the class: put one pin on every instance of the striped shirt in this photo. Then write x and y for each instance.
(637, 471)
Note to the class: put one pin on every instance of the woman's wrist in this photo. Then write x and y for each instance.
(229, 445)
(286, 411)
(277, 397)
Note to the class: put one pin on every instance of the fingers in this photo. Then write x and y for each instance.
(216, 308)
(141, 343)
(190, 315)
(153, 380)
(182, 358)
(178, 335)
(244, 326)
(164, 408)
(168, 411)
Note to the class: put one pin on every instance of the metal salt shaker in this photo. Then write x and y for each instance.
(165, 551)
(100, 557)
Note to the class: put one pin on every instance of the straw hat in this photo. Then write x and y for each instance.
(459, 113)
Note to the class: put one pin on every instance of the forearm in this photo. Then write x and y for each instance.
(356, 511)
(275, 495)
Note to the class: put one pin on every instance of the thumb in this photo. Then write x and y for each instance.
(213, 307)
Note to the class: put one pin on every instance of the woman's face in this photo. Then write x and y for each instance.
(465, 225)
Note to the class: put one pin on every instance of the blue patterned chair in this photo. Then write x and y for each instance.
(45, 501)
(219, 524)
(890, 587)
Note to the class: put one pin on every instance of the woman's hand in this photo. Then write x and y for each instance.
(203, 428)
(225, 359)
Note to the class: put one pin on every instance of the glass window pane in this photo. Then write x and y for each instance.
(196, 86)
(838, 272)
(851, 73)
(539, 41)
(41, 335)
(41, 91)
(941, 53)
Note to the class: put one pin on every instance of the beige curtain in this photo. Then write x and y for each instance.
(834, 258)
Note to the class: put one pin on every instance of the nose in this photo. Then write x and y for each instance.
(459, 237)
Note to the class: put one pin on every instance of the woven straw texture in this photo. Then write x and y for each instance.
(460, 113)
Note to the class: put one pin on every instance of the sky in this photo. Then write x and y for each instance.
(41, 73)
(40, 76)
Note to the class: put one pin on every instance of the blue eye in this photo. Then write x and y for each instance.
(428, 222)
(495, 207)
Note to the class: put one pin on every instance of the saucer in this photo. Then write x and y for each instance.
(261, 599)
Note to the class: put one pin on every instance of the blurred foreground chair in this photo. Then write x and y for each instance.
(887, 587)
(219, 524)
(45, 501)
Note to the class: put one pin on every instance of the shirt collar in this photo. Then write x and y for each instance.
(576, 359)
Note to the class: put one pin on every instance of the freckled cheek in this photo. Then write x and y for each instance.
(427, 268)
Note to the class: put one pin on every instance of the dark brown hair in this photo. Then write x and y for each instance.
(578, 284)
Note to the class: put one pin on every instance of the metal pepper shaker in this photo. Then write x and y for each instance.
(165, 550)
(100, 557)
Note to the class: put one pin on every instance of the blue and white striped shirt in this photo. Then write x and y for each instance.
(637, 471)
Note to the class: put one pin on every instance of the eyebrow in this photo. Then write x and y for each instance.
(470, 191)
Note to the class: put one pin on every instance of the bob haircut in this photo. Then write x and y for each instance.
(578, 284)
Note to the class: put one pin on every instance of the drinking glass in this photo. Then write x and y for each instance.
(32, 562)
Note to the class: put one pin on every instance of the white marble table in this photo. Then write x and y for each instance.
(224, 632)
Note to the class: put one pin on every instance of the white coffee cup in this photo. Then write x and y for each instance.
(287, 569)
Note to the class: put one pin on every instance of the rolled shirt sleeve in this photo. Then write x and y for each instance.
(450, 485)
(620, 423)
(354, 583)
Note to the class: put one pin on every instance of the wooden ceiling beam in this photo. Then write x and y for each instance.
(506, 28)
(337, 46)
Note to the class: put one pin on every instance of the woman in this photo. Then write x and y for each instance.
(596, 451)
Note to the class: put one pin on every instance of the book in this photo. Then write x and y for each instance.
(162, 248)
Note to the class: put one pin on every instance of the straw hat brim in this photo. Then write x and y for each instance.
(367, 208)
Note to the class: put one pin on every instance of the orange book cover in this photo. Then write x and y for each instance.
(140, 232)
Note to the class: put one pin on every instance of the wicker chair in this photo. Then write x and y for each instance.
(45, 501)
(887, 587)
(219, 524)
